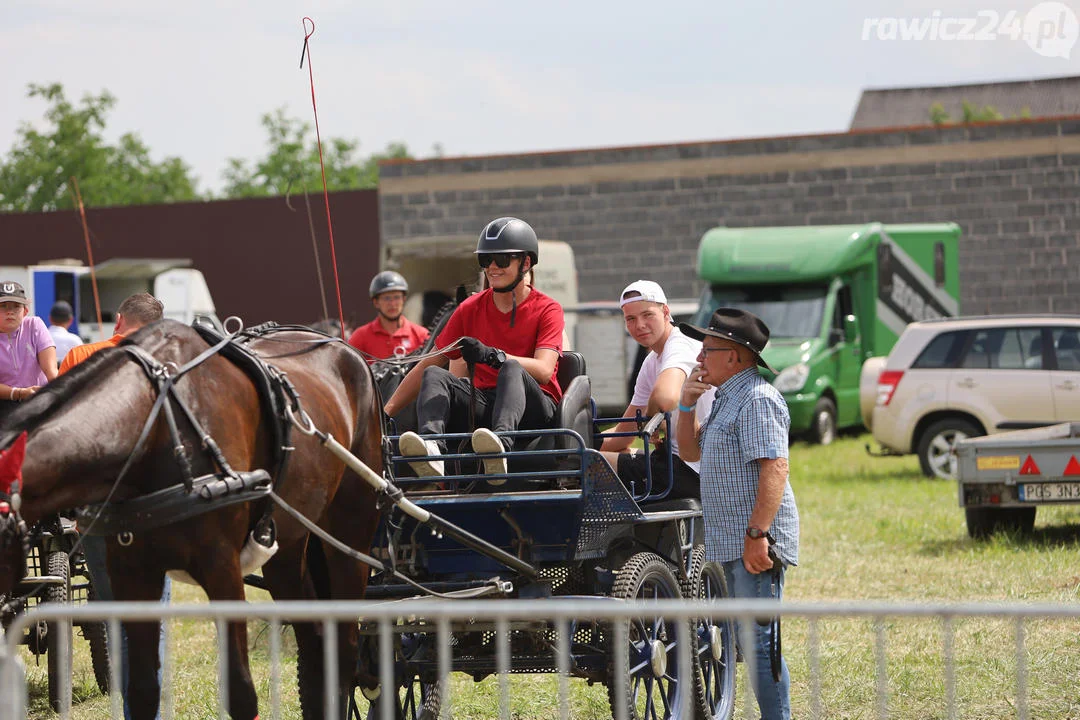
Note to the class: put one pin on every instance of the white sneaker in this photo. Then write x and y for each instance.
(485, 441)
(412, 445)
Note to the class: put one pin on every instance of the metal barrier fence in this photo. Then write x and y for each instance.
(439, 617)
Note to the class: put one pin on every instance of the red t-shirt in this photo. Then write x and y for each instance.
(538, 323)
(376, 342)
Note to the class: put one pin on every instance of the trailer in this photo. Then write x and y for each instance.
(1003, 478)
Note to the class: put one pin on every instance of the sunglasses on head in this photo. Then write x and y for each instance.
(502, 260)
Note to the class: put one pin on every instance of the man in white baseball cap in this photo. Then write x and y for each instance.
(672, 357)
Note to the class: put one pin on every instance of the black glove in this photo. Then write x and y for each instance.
(474, 351)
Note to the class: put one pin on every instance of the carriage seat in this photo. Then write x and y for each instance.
(574, 412)
(575, 408)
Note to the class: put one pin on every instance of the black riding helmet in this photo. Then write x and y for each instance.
(508, 235)
(386, 281)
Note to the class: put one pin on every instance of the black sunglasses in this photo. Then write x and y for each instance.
(502, 260)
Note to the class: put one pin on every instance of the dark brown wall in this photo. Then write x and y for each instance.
(256, 255)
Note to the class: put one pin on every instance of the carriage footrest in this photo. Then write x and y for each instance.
(30, 583)
(173, 504)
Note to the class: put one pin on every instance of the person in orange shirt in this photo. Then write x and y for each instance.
(136, 312)
(391, 333)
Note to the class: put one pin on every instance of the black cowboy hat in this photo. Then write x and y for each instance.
(738, 326)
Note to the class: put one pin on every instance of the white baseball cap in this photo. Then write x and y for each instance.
(645, 290)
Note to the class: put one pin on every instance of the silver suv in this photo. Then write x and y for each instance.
(961, 377)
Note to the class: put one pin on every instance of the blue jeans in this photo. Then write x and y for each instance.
(94, 549)
(773, 697)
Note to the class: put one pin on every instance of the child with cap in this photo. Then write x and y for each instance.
(27, 350)
(61, 316)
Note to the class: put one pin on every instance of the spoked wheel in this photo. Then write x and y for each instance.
(416, 700)
(652, 679)
(59, 666)
(714, 653)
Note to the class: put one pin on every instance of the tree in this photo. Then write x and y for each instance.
(970, 113)
(292, 163)
(35, 175)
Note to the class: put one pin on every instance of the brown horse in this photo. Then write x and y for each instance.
(83, 430)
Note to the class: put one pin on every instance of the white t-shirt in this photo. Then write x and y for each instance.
(679, 352)
(64, 340)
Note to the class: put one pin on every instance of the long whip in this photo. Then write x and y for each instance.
(77, 196)
(322, 165)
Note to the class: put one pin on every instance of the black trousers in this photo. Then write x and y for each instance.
(631, 470)
(516, 403)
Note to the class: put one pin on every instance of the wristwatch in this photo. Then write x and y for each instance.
(496, 359)
(756, 533)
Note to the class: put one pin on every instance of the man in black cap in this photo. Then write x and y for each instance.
(60, 318)
(745, 494)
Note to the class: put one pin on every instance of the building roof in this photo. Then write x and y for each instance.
(900, 107)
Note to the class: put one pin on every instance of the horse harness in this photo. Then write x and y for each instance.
(227, 486)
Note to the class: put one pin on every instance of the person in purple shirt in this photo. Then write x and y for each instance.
(27, 350)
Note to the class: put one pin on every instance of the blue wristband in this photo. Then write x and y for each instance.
(687, 408)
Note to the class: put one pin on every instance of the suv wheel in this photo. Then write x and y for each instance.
(823, 430)
(937, 445)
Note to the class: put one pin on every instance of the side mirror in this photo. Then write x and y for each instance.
(851, 329)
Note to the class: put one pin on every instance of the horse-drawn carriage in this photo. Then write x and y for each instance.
(222, 461)
(574, 530)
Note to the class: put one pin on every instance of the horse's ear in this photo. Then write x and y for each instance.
(11, 461)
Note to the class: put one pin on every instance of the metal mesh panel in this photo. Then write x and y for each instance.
(565, 579)
(607, 509)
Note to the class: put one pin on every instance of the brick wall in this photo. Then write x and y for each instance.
(640, 211)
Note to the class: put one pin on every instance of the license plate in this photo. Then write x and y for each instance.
(1049, 492)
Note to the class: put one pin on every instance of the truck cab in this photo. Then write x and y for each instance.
(832, 296)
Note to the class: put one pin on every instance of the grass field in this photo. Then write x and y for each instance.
(872, 529)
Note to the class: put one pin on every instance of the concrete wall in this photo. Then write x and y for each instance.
(640, 211)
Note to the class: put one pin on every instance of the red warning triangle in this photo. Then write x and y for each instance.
(1073, 468)
(1030, 468)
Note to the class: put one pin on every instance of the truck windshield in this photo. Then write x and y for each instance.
(790, 312)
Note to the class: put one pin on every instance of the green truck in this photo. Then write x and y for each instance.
(833, 296)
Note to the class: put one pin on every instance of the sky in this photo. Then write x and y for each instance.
(193, 78)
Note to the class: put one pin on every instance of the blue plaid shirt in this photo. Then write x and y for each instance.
(749, 421)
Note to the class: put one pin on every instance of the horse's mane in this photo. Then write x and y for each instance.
(53, 396)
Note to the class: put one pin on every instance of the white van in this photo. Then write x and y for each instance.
(181, 289)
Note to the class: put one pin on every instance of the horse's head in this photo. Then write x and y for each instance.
(13, 534)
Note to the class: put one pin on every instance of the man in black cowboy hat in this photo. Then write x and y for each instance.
(747, 500)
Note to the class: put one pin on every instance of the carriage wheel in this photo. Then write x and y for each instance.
(95, 635)
(714, 652)
(416, 701)
(652, 681)
(58, 667)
